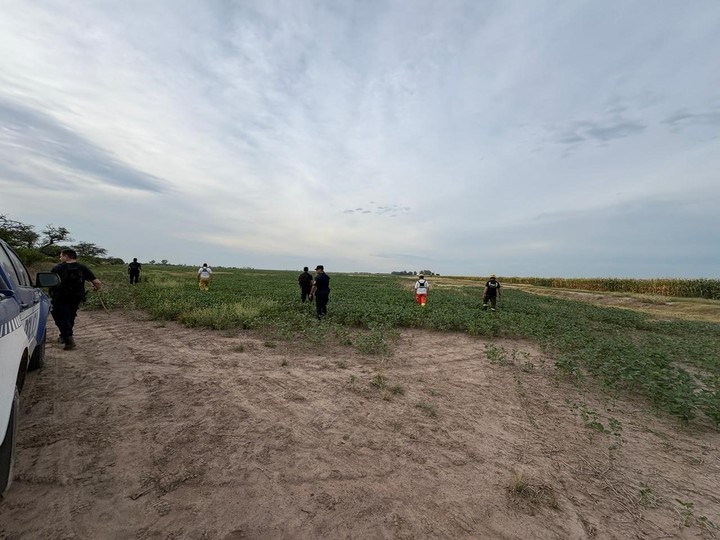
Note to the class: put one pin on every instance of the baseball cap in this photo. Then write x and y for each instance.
(319, 267)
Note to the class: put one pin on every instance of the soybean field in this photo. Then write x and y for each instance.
(673, 366)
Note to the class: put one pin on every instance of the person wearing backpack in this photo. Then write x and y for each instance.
(204, 275)
(305, 281)
(69, 294)
(421, 290)
(134, 271)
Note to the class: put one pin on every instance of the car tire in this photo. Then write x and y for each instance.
(37, 360)
(7, 448)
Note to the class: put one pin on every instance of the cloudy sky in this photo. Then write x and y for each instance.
(546, 138)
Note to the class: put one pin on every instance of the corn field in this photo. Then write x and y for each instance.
(682, 288)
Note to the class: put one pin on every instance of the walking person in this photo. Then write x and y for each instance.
(69, 294)
(305, 281)
(421, 290)
(320, 291)
(134, 271)
(491, 293)
(204, 275)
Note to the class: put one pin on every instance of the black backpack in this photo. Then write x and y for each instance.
(72, 284)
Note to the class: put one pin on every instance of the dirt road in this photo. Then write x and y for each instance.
(153, 430)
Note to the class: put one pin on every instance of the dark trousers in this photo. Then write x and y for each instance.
(134, 278)
(64, 313)
(321, 300)
(305, 290)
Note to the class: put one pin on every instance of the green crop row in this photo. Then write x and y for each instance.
(674, 365)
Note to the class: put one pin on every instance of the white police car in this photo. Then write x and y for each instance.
(24, 313)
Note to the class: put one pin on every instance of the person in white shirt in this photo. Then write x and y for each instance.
(421, 290)
(204, 275)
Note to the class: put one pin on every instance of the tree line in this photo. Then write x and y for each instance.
(33, 247)
(413, 273)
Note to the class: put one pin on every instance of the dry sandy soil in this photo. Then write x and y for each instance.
(153, 430)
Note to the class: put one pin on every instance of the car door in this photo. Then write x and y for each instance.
(27, 296)
(13, 337)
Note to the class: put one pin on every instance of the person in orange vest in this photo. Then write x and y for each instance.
(421, 290)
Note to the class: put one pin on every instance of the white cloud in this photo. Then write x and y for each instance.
(374, 136)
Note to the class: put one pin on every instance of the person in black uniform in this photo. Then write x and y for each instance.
(491, 293)
(69, 294)
(134, 271)
(305, 281)
(320, 291)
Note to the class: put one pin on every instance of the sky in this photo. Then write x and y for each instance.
(553, 138)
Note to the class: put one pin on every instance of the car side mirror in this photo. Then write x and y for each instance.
(47, 279)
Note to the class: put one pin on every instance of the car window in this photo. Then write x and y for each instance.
(22, 273)
(7, 265)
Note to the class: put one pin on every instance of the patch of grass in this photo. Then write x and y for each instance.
(591, 418)
(686, 511)
(270, 344)
(496, 355)
(709, 400)
(378, 381)
(688, 518)
(344, 335)
(376, 341)
(238, 348)
(315, 333)
(223, 316)
(427, 408)
(398, 390)
(647, 497)
(529, 495)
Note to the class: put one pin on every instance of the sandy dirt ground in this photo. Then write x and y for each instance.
(153, 430)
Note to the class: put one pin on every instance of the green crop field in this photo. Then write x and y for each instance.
(674, 366)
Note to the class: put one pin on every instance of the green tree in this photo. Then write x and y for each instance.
(88, 249)
(17, 234)
(54, 235)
